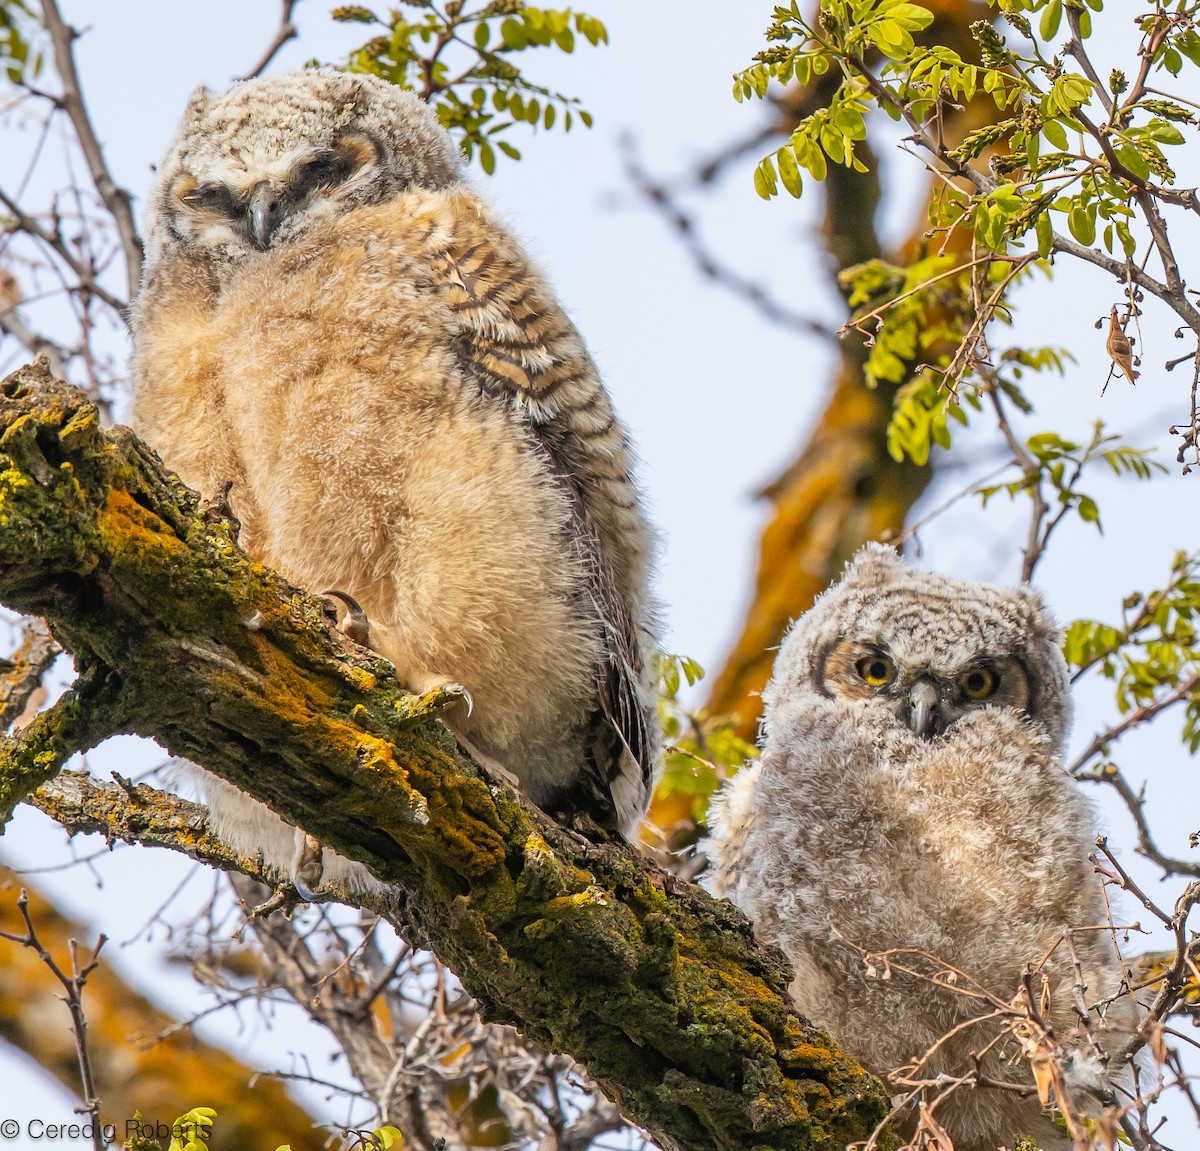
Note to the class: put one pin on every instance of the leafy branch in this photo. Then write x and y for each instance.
(459, 59)
(1052, 171)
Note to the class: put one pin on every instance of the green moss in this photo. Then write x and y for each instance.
(590, 948)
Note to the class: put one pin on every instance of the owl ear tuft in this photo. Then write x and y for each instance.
(1036, 616)
(875, 563)
(198, 102)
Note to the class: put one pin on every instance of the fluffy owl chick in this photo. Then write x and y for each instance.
(910, 795)
(335, 322)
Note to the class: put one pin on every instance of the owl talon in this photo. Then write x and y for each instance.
(446, 695)
(308, 866)
(356, 626)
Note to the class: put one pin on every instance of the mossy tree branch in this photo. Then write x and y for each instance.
(588, 948)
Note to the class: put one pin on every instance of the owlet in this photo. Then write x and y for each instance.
(334, 321)
(910, 810)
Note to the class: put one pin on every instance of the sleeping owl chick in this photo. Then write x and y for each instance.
(910, 795)
(335, 322)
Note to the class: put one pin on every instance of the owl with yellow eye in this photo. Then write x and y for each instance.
(911, 796)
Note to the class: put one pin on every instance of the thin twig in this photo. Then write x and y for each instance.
(23, 222)
(659, 196)
(1135, 803)
(285, 32)
(1033, 483)
(115, 198)
(1181, 692)
(73, 985)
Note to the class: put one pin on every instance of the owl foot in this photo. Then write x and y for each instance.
(308, 866)
(585, 827)
(446, 695)
(356, 626)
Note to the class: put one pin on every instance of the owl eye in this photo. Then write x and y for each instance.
(877, 670)
(979, 683)
(327, 170)
(214, 198)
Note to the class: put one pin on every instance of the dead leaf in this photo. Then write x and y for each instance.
(1107, 1131)
(1120, 350)
(1155, 1033)
(936, 1136)
(1041, 1060)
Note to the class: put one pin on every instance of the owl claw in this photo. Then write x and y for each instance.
(357, 626)
(448, 694)
(308, 866)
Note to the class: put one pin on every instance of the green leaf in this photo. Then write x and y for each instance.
(1088, 511)
(1082, 222)
(789, 172)
(1128, 243)
(1133, 160)
(1189, 45)
(912, 16)
(1164, 132)
(764, 179)
(513, 33)
(1051, 16)
(1056, 134)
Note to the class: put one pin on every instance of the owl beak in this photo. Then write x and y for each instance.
(923, 701)
(266, 210)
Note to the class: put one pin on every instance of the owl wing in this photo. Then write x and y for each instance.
(516, 341)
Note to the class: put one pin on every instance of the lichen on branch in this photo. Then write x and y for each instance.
(587, 947)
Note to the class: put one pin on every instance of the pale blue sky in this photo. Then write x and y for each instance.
(717, 399)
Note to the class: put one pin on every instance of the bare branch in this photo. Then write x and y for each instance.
(37, 344)
(245, 674)
(1135, 803)
(660, 197)
(114, 197)
(30, 662)
(144, 815)
(1179, 694)
(1034, 542)
(22, 222)
(286, 31)
(73, 985)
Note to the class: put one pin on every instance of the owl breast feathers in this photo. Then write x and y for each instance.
(910, 800)
(334, 321)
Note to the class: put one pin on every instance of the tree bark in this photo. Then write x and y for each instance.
(587, 947)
